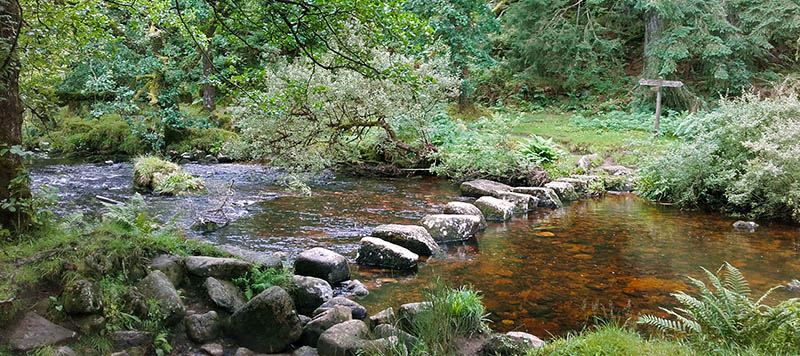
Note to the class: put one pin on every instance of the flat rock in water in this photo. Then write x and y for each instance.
(523, 203)
(34, 331)
(482, 187)
(379, 253)
(547, 197)
(224, 294)
(322, 263)
(413, 237)
(565, 191)
(222, 268)
(444, 227)
(263, 259)
(745, 225)
(581, 186)
(462, 208)
(495, 209)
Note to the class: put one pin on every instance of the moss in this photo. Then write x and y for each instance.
(108, 135)
(154, 174)
(207, 140)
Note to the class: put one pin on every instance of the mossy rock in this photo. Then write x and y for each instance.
(153, 174)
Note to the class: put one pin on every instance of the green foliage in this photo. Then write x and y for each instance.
(260, 279)
(163, 177)
(724, 314)
(623, 121)
(741, 157)
(107, 135)
(610, 339)
(539, 150)
(208, 140)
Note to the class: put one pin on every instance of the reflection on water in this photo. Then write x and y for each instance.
(541, 273)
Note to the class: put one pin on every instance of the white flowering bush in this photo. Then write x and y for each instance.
(743, 157)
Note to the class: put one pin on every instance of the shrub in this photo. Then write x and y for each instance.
(208, 140)
(163, 177)
(453, 312)
(611, 339)
(109, 134)
(743, 157)
(258, 280)
(725, 314)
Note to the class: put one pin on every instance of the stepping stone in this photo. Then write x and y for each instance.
(547, 197)
(444, 228)
(482, 187)
(379, 253)
(495, 209)
(565, 191)
(461, 208)
(413, 237)
(523, 203)
(34, 331)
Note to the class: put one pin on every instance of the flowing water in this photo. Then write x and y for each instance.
(546, 272)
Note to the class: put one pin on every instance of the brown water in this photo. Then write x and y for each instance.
(545, 272)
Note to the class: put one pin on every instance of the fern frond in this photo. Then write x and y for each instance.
(734, 280)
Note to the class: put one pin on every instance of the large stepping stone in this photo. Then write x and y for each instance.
(413, 237)
(311, 292)
(224, 294)
(343, 339)
(158, 287)
(565, 191)
(547, 197)
(220, 268)
(322, 263)
(445, 227)
(482, 187)
(462, 208)
(34, 331)
(495, 209)
(267, 323)
(379, 253)
(523, 203)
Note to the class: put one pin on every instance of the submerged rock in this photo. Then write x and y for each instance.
(222, 268)
(745, 225)
(495, 209)
(267, 323)
(482, 187)
(547, 197)
(413, 237)
(445, 228)
(322, 263)
(461, 208)
(379, 253)
(34, 331)
(565, 191)
(310, 293)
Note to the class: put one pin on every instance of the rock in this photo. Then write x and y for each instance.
(65, 351)
(505, 345)
(483, 187)
(565, 191)
(616, 170)
(355, 288)
(172, 266)
(413, 237)
(121, 353)
(495, 209)
(123, 340)
(213, 349)
(305, 351)
(385, 316)
(408, 312)
(461, 208)
(224, 294)
(589, 179)
(258, 258)
(342, 339)
(547, 197)
(243, 351)
(445, 228)
(310, 293)
(224, 159)
(523, 203)
(793, 286)
(34, 331)
(745, 225)
(385, 346)
(267, 323)
(387, 330)
(312, 331)
(322, 263)
(356, 310)
(157, 286)
(82, 297)
(581, 186)
(202, 328)
(586, 162)
(89, 324)
(304, 320)
(379, 253)
(530, 339)
(221, 268)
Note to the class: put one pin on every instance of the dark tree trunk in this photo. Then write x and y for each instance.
(10, 107)
(652, 32)
(209, 91)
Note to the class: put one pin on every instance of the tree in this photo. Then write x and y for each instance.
(10, 108)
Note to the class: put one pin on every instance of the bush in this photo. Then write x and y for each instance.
(258, 280)
(162, 177)
(743, 157)
(109, 134)
(208, 140)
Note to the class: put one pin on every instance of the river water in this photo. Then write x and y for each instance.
(547, 272)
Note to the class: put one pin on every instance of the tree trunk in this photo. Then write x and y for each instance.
(652, 32)
(464, 101)
(10, 108)
(207, 57)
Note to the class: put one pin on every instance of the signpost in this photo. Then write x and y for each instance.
(657, 84)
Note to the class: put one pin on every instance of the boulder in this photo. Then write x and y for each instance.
(387, 330)
(258, 258)
(355, 288)
(793, 285)
(443, 227)
(523, 203)
(581, 186)
(202, 328)
(379, 253)
(243, 351)
(505, 345)
(172, 266)
(391, 345)
(461, 208)
(408, 312)
(565, 191)
(310, 293)
(587, 162)
(127, 339)
(224, 294)
(312, 331)
(82, 297)
(385, 316)
(158, 287)
(530, 339)
(65, 351)
(482, 187)
(322, 263)
(305, 351)
(221, 268)
(343, 339)
(267, 323)
(34, 331)
(213, 349)
(356, 310)
(495, 209)
(413, 237)
(89, 323)
(745, 225)
(616, 170)
(547, 197)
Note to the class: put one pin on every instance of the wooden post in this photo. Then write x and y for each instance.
(657, 85)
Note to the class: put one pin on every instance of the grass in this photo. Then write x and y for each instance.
(163, 177)
(612, 340)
